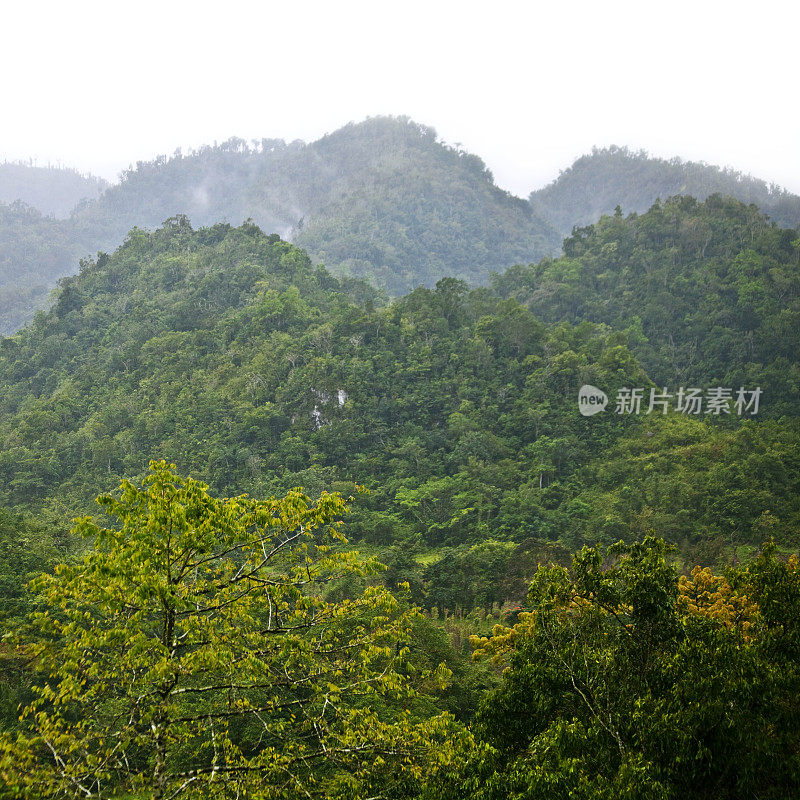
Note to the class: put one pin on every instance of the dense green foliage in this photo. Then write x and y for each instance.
(225, 351)
(597, 183)
(383, 199)
(710, 291)
(700, 487)
(51, 190)
(191, 653)
(239, 646)
(26, 548)
(625, 681)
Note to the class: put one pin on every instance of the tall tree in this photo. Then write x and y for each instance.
(191, 653)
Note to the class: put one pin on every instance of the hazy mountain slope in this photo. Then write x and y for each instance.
(404, 210)
(596, 184)
(208, 185)
(50, 190)
(35, 251)
(381, 199)
(711, 291)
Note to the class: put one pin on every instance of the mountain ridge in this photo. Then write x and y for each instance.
(595, 183)
(383, 199)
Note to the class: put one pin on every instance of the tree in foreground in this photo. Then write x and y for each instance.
(192, 653)
(625, 680)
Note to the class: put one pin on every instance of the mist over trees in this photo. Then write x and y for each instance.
(383, 199)
(51, 190)
(616, 176)
(35, 251)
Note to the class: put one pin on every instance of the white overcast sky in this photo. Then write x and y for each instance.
(528, 86)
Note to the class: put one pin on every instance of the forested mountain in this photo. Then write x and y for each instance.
(53, 191)
(403, 210)
(616, 176)
(197, 625)
(710, 292)
(225, 351)
(382, 199)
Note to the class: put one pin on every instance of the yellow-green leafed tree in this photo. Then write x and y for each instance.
(191, 653)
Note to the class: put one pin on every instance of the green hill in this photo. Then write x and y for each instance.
(382, 199)
(710, 291)
(225, 351)
(408, 210)
(616, 176)
(229, 352)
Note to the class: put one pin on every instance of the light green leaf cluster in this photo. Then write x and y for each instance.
(192, 652)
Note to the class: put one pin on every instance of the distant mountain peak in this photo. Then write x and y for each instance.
(610, 176)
